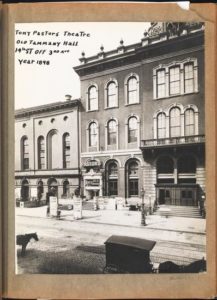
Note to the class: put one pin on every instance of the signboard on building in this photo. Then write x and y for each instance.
(92, 163)
(53, 206)
(77, 208)
(92, 182)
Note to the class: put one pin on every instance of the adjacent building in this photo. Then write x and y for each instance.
(142, 117)
(47, 150)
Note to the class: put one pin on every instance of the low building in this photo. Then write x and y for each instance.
(47, 150)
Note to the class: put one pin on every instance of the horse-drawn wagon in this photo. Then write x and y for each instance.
(126, 254)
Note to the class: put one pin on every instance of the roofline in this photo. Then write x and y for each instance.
(138, 47)
(24, 112)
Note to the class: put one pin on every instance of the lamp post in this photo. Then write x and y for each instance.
(150, 210)
(143, 208)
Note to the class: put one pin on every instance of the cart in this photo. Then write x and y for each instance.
(126, 254)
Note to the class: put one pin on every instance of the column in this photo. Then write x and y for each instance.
(121, 182)
(175, 172)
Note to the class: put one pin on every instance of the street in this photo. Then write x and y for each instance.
(73, 247)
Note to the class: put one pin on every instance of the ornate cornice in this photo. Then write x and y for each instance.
(26, 112)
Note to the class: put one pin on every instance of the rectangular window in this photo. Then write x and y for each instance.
(132, 136)
(174, 80)
(189, 122)
(25, 163)
(175, 122)
(133, 187)
(112, 138)
(161, 126)
(161, 84)
(25, 155)
(113, 187)
(189, 78)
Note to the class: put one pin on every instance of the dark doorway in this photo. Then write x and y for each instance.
(161, 197)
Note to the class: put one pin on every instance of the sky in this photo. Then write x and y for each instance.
(45, 54)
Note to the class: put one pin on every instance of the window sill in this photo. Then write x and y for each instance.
(92, 110)
(174, 96)
(129, 104)
(112, 107)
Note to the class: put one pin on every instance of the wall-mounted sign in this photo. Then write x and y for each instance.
(92, 163)
(92, 182)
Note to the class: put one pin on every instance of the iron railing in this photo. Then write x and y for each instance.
(191, 139)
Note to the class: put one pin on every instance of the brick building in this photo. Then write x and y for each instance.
(142, 117)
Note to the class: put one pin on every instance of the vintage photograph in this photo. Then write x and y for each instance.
(110, 148)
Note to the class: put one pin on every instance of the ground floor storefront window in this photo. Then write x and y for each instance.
(132, 176)
(112, 178)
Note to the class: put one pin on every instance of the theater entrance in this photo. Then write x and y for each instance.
(177, 194)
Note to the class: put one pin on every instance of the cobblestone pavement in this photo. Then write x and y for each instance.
(68, 246)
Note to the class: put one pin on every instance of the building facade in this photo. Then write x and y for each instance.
(47, 151)
(142, 117)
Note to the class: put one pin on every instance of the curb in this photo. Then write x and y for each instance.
(129, 226)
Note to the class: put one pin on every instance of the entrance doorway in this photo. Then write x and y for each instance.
(25, 190)
(164, 196)
(177, 194)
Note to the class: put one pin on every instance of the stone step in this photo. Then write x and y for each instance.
(179, 211)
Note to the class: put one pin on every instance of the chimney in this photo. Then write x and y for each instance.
(68, 97)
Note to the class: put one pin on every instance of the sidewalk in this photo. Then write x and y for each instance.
(125, 218)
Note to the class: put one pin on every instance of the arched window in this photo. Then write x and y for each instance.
(133, 178)
(66, 189)
(132, 130)
(161, 83)
(112, 132)
(52, 185)
(25, 153)
(189, 78)
(52, 150)
(92, 98)
(93, 135)
(111, 94)
(40, 189)
(66, 150)
(112, 178)
(174, 80)
(41, 153)
(175, 122)
(182, 79)
(161, 126)
(25, 190)
(189, 122)
(132, 90)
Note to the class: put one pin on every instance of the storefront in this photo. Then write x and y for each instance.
(92, 179)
